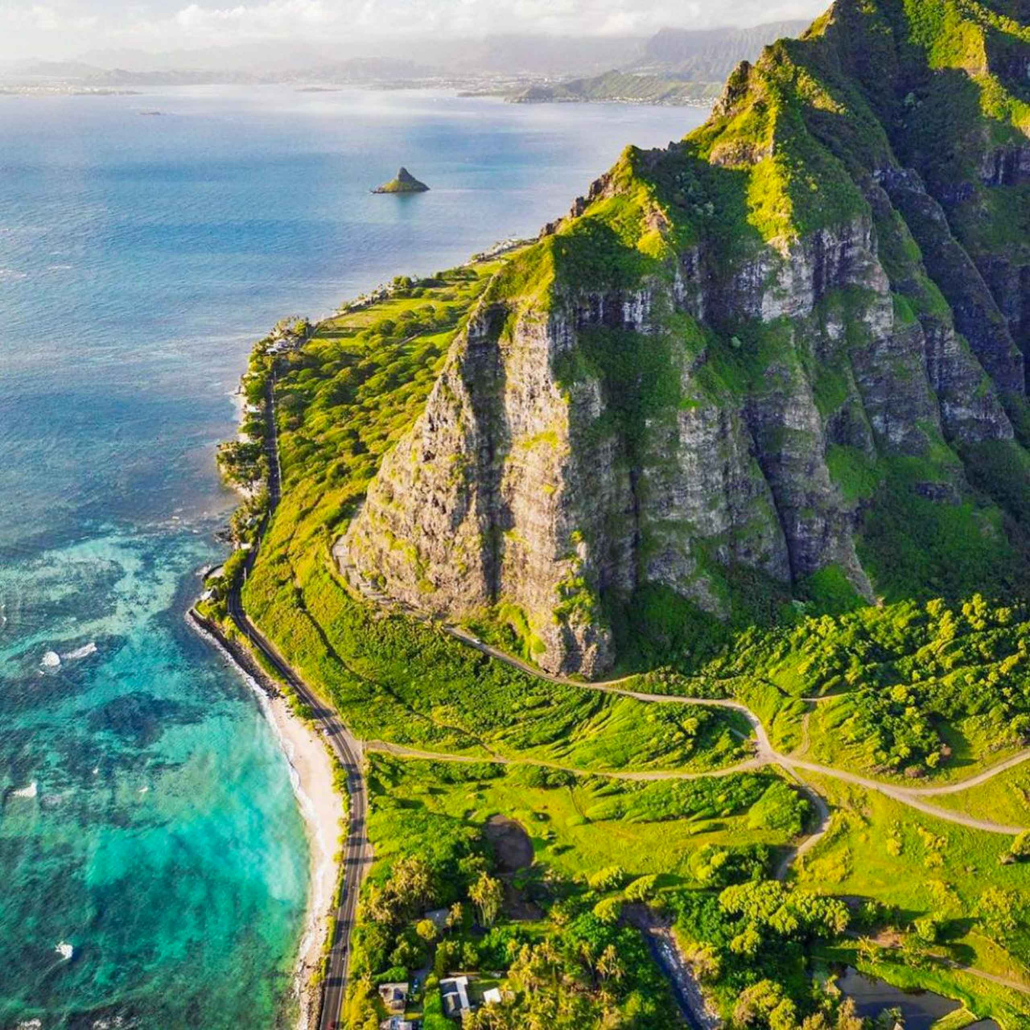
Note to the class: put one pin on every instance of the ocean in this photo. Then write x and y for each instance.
(146, 814)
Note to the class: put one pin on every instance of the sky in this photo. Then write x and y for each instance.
(60, 29)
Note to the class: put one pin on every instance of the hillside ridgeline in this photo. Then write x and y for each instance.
(782, 359)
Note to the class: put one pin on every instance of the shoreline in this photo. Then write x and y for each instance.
(312, 778)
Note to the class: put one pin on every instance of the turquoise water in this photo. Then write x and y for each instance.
(147, 817)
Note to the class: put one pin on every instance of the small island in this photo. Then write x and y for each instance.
(404, 182)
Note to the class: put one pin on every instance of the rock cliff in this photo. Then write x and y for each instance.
(788, 348)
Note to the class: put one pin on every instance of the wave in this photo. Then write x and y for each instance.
(26, 792)
(80, 652)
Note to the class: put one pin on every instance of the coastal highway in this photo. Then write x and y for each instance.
(357, 852)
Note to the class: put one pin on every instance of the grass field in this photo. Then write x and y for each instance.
(581, 825)
(919, 866)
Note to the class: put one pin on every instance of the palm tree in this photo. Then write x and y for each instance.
(609, 965)
(487, 895)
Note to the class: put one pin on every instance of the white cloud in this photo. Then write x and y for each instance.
(473, 17)
(63, 27)
(22, 24)
(266, 19)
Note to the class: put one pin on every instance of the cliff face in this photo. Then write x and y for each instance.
(757, 350)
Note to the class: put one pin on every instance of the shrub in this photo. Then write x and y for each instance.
(642, 888)
(1021, 845)
(610, 878)
(608, 910)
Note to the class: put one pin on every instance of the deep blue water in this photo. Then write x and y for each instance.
(147, 817)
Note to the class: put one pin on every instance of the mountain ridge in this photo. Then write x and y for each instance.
(780, 359)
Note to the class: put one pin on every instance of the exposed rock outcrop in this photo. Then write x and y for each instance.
(403, 182)
(708, 366)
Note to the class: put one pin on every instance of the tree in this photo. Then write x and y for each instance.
(608, 879)
(707, 963)
(889, 1018)
(996, 910)
(609, 965)
(426, 929)
(487, 893)
(765, 1004)
(456, 916)
(608, 910)
(928, 929)
(848, 1017)
(642, 888)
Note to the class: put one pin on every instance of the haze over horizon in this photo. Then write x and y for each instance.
(64, 29)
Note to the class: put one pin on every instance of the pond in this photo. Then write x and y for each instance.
(920, 1009)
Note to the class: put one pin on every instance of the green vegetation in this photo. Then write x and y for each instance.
(550, 931)
(930, 686)
(853, 409)
(945, 897)
(920, 690)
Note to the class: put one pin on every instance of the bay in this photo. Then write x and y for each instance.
(147, 817)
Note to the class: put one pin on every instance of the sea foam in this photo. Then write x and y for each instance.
(80, 652)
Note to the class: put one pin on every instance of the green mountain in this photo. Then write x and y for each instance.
(750, 423)
(782, 359)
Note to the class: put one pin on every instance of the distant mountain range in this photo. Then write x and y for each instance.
(675, 66)
(672, 67)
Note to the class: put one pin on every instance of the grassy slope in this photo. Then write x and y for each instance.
(574, 826)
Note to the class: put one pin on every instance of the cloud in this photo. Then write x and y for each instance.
(267, 19)
(63, 27)
(349, 18)
(23, 23)
(44, 17)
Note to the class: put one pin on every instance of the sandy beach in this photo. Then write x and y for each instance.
(311, 775)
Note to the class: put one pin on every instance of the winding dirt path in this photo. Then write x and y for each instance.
(974, 781)
(816, 834)
(401, 751)
(766, 754)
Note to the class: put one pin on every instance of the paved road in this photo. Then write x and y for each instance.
(357, 854)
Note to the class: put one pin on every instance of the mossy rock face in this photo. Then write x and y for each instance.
(403, 182)
(769, 349)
